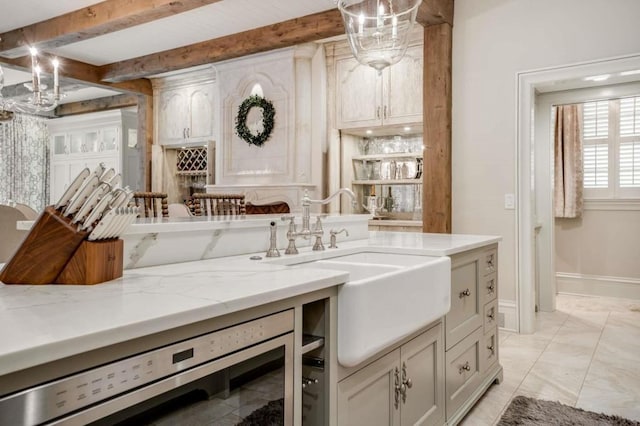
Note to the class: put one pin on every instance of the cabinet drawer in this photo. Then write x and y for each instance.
(464, 363)
(490, 261)
(490, 349)
(490, 315)
(465, 314)
(490, 286)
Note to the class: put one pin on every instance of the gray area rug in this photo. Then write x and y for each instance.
(524, 411)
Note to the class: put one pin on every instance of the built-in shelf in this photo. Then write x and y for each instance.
(388, 182)
(310, 342)
(387, 156)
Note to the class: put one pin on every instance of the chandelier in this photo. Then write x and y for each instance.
(39, 100)
(378, 30)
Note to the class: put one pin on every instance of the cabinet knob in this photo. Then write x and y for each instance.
(465, 367)
(492, 286)
(465, 293)
(492, 315)
(406, 383)
(492, 349)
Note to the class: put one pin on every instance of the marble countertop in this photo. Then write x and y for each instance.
(49, 322)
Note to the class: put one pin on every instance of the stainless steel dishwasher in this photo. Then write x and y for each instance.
(237, 375)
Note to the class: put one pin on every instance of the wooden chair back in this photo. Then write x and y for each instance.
(219, 204)
(273, 208)
(152, 204)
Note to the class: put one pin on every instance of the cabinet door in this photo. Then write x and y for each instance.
(402, 89)
(201, 110)
(59, 145)
(358, 95)
(109, 140)
(423, 363)
(367, 398)
(466, 313)
(172, 116)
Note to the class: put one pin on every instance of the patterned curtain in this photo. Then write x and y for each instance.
(24, 161)
(568, 182)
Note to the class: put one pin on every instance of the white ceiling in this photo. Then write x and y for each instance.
(208, 22)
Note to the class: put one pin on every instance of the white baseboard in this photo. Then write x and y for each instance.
(597, 285)
(508, 315)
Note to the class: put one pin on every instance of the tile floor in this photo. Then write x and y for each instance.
(585, 354)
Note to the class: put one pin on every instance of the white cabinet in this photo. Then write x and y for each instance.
(185, 112)
(471, 330)
(366, 98)
(89, 139)
(403, 387)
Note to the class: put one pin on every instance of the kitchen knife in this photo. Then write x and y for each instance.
(119, 196)
(129, 218)
(117, 224)
(112, 223)
(99, 170)
(72, 189)
(97, 211)
(107, 175)
(115, 180)
(88, 205)
(99, 231)
(78, 200)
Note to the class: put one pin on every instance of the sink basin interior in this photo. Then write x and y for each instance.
(382, 258)
(357, 271)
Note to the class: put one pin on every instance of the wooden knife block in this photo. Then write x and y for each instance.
(94, 262)
(55, 252)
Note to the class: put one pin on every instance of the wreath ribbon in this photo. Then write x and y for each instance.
(268, 114)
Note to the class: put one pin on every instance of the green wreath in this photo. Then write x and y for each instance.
(268, 114)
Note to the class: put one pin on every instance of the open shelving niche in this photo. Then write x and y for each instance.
(406, 191)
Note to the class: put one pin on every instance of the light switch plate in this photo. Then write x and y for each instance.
(509, 201)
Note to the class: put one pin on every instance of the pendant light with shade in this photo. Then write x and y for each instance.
(378, 30)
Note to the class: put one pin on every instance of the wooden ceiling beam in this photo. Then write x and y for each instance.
(81, 72)
(99, 104)
(435, 12)
(284, 34)
(82, 24)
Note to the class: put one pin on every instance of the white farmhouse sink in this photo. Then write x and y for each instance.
(387, 297)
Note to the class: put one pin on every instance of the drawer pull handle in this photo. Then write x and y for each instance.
(465, 367)
(464, 293)
(492, 349)
(406, 383)
(397, 388)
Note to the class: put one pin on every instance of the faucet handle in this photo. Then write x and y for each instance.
(318, 224)
(333, 233)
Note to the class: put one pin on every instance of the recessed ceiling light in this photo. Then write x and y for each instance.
(602, 77)
(407, 129)
(632, 72)
(369, 132)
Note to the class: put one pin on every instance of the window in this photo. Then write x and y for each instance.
(611, 152)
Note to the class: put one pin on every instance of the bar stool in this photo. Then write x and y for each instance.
(152, 204)
(219, 204)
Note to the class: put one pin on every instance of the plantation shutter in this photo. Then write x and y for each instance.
(629, 147)
(595, 117)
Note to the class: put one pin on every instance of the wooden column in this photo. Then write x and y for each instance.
(436, 178)
(145, 135)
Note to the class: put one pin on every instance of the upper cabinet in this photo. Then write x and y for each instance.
(366, 98)
(186, 109)
(87, 140)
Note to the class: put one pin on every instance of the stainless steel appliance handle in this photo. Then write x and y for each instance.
(127, 400)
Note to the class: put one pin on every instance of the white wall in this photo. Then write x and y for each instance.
(492, 41)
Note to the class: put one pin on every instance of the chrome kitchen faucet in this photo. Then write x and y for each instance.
(306, 231)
